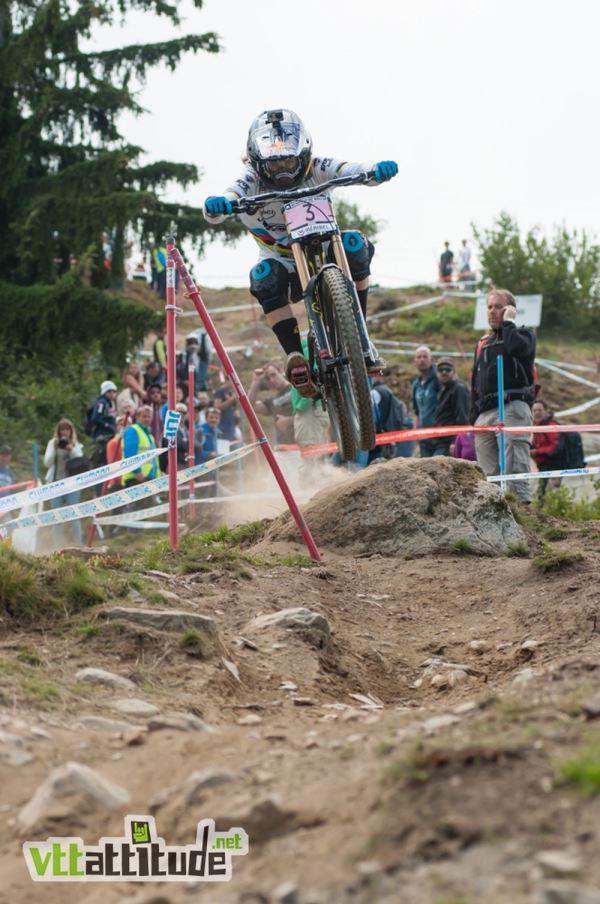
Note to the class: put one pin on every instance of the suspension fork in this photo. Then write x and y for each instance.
(342, 262)
(313, 308)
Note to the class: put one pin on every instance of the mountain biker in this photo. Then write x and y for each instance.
(279, 156)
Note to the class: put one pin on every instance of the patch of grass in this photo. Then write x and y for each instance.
(518, 550)
(195, 643)
(88, 630)
(463, 548)
(29, 656)
(384, 748)
(561, 503)
(42, 589)
(39, 691)
(555, 560)
(555, 533)
(583, 770)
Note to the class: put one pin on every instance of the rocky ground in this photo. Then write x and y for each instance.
(418, 729)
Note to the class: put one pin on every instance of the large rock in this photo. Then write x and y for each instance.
(100, 676)
(70, 780)
(410, 506)
(311, 623)
(164, 619)
(566, 893)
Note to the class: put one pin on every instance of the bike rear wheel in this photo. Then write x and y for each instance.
(350, 396)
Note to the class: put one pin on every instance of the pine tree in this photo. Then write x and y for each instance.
(66, 173)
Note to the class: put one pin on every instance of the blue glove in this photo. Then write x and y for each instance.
(217, 205)
(385, 170)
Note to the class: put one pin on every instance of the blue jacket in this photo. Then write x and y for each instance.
(424, 398)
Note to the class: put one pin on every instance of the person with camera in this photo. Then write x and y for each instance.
(279, 404)
(62, 451)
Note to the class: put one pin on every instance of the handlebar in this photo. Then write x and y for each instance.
(251, 205)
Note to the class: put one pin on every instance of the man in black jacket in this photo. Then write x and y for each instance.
(517, 347)
(452, 404)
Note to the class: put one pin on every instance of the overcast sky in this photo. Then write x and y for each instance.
(485, 104)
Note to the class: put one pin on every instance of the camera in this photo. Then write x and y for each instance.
(63, 442)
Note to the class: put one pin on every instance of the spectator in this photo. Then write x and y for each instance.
(138, 438)
(103, 423)
(225, 401)
(210, 434)
(6, 475)
(204, 401)
(425, 390)
(464, 446)
(152, 375)
(464, 262)
(159, 349)
(390, 416)
(159, 259)
(196, 354)
(60, 449)
(452, 405)
(517, 345)
(179, 399)
(548, 451)
(446, 264)
(114, 448)
(155, 403)
(279, 405)
(133, 388)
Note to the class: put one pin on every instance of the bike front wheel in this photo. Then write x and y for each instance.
(350, 399)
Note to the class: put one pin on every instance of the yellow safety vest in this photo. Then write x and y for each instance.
(150, 469)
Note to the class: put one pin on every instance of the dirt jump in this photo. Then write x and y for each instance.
(410, 720)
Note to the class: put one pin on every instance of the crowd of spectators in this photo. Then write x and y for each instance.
(128, 418)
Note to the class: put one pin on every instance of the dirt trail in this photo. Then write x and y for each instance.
(363, 767)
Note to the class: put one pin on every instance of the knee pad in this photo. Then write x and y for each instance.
(269, 283)
(359, 251)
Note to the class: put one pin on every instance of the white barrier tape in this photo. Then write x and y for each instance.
(570, 366)
(140, 514)
(224, 310)
(79, 482)
(589, 458)
(406, 307)
(124, 496)
(577, 409)
(543, 362)
(138, 525)
(542, 475)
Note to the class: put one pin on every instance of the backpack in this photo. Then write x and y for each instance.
(89, 411)
(571, 447)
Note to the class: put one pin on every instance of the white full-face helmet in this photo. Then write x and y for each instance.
(280, 148)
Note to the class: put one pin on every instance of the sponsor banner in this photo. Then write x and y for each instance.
(172, 421)
(123, 496)
(78, 482)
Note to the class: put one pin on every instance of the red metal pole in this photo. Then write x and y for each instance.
(191, 458)
(255, 425)
(170, 308)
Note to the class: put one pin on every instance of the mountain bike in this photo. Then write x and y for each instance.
(338, 341)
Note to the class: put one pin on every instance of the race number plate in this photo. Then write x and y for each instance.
(314, 216)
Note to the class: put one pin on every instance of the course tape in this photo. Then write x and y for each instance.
(79, 482)
(124, 496)
(577, 409)
(542, 475)
(421, 433)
